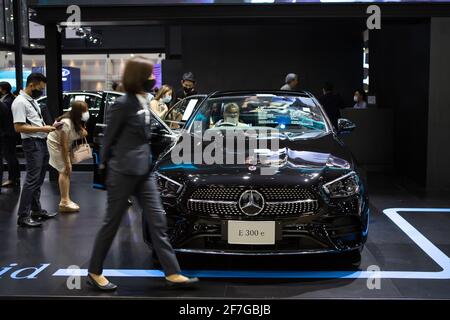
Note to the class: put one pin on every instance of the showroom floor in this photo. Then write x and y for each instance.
(407, 249)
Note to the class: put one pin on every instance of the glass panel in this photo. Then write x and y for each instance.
(24, 24)
(92, 72)
(2, 22)
(9, 20)
(7, 68)
(293, 115)
(93, 101)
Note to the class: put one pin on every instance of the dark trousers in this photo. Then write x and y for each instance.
(36, 155)
(120, 187)
(9, 153)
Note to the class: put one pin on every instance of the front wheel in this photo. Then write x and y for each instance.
(351, 258)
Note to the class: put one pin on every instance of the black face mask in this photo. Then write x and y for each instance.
(189, 91)
(36, 93)
(149, 84)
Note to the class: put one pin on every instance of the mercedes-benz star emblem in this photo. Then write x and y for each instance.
(251, 202)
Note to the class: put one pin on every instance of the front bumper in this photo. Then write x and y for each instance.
(304, 235)
(330, 225)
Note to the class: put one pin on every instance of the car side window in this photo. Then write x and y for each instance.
(66, 102)
(93, 101)
(157, 127)
(109, 101)
(42, 102)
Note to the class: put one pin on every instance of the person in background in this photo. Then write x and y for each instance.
(161, 101)
(59, 143)
(119, 87)
(127, 155)
(360, 99)
(9, 136)
(114, 86)
(291, 82)
(188, 86)
(29, 122)
(331, 103)
(5, 93)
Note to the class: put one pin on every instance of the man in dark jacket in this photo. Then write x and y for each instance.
(331, 103)
(188, 87)
(9, 136)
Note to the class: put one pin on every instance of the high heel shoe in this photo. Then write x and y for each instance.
(108, 287)
(189, 283)
(69, 207)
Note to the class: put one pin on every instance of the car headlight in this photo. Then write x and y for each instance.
(345, 186)
(168, 187)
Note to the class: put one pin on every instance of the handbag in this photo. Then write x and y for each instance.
(81, 152)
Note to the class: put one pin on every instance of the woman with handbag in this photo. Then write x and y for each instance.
(126, 154)
(70, 128)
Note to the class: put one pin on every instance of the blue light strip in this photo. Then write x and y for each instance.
(427, 246)
(366, 232)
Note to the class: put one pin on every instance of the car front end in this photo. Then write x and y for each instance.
(314, 202)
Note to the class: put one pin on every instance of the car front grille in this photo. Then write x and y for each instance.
(279, 201)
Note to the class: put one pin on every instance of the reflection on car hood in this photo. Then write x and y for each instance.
(325, 153)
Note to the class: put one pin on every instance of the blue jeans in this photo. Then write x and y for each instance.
(36, 155)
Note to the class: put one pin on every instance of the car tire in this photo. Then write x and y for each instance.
(351, 258)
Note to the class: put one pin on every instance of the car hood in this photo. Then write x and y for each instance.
(309, 158)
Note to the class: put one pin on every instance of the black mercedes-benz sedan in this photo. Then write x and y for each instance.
(262, 173)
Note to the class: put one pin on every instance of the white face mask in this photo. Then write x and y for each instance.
(85, 116)
(355, 98)
(167, 99)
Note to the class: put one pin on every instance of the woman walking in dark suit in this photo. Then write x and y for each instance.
(127, 154)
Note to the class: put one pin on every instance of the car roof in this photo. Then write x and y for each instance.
(232, 93)
(82, 91)
(93, 92)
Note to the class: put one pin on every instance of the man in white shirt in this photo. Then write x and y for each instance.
(29, 122)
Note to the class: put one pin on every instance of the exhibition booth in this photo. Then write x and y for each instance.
(357, 206)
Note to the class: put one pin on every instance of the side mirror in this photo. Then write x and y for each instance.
(345, 126)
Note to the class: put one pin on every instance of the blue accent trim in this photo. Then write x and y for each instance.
(189, 166)
(96, 157)
(366, 232)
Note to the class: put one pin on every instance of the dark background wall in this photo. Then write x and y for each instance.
(438, 171)
(399, 77)
(226, 57)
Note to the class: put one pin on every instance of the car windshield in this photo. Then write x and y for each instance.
(292, 115)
